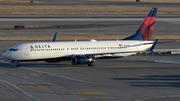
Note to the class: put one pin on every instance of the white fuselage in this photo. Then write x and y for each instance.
(50, 50)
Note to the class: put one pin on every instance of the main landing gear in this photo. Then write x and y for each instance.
(91, 64)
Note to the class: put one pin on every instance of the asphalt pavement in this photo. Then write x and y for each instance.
(103, 3)
(134, 78)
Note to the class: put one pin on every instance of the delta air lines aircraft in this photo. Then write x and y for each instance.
(85, 52)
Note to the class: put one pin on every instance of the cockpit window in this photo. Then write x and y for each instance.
(13, 49)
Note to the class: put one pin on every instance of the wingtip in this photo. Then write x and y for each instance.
(54, 38)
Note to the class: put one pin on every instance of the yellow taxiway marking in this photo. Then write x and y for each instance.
(89, 93)
(5, 88)
(15, 91)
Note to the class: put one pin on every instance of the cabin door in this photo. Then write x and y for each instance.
(26, 51)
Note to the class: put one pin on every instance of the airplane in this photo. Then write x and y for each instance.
(85, 52)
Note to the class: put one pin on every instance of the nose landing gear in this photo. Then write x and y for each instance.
(17, 63)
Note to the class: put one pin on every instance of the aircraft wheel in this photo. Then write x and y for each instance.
(18, 65)
(91, 64)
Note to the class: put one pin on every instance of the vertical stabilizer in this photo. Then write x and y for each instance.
(145, 30)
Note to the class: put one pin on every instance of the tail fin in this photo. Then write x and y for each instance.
(144, 32)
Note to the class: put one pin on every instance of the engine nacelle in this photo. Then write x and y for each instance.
(80, 60)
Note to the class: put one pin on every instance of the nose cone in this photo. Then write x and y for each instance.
(6, 55)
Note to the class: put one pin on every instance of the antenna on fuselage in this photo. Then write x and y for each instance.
(54, 38)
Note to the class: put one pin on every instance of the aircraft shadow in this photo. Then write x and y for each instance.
(3, 65)
(153, 81)
(30, 65)
(44, 65)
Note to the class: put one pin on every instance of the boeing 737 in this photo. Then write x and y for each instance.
(85, 52)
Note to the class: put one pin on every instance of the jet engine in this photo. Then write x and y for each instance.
(80, 60)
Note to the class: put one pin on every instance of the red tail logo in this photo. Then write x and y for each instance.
(145, 30)
(147, 27)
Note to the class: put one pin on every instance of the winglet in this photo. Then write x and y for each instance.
(151, 49)
(54, 38)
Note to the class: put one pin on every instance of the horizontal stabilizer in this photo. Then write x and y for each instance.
(152, 48)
